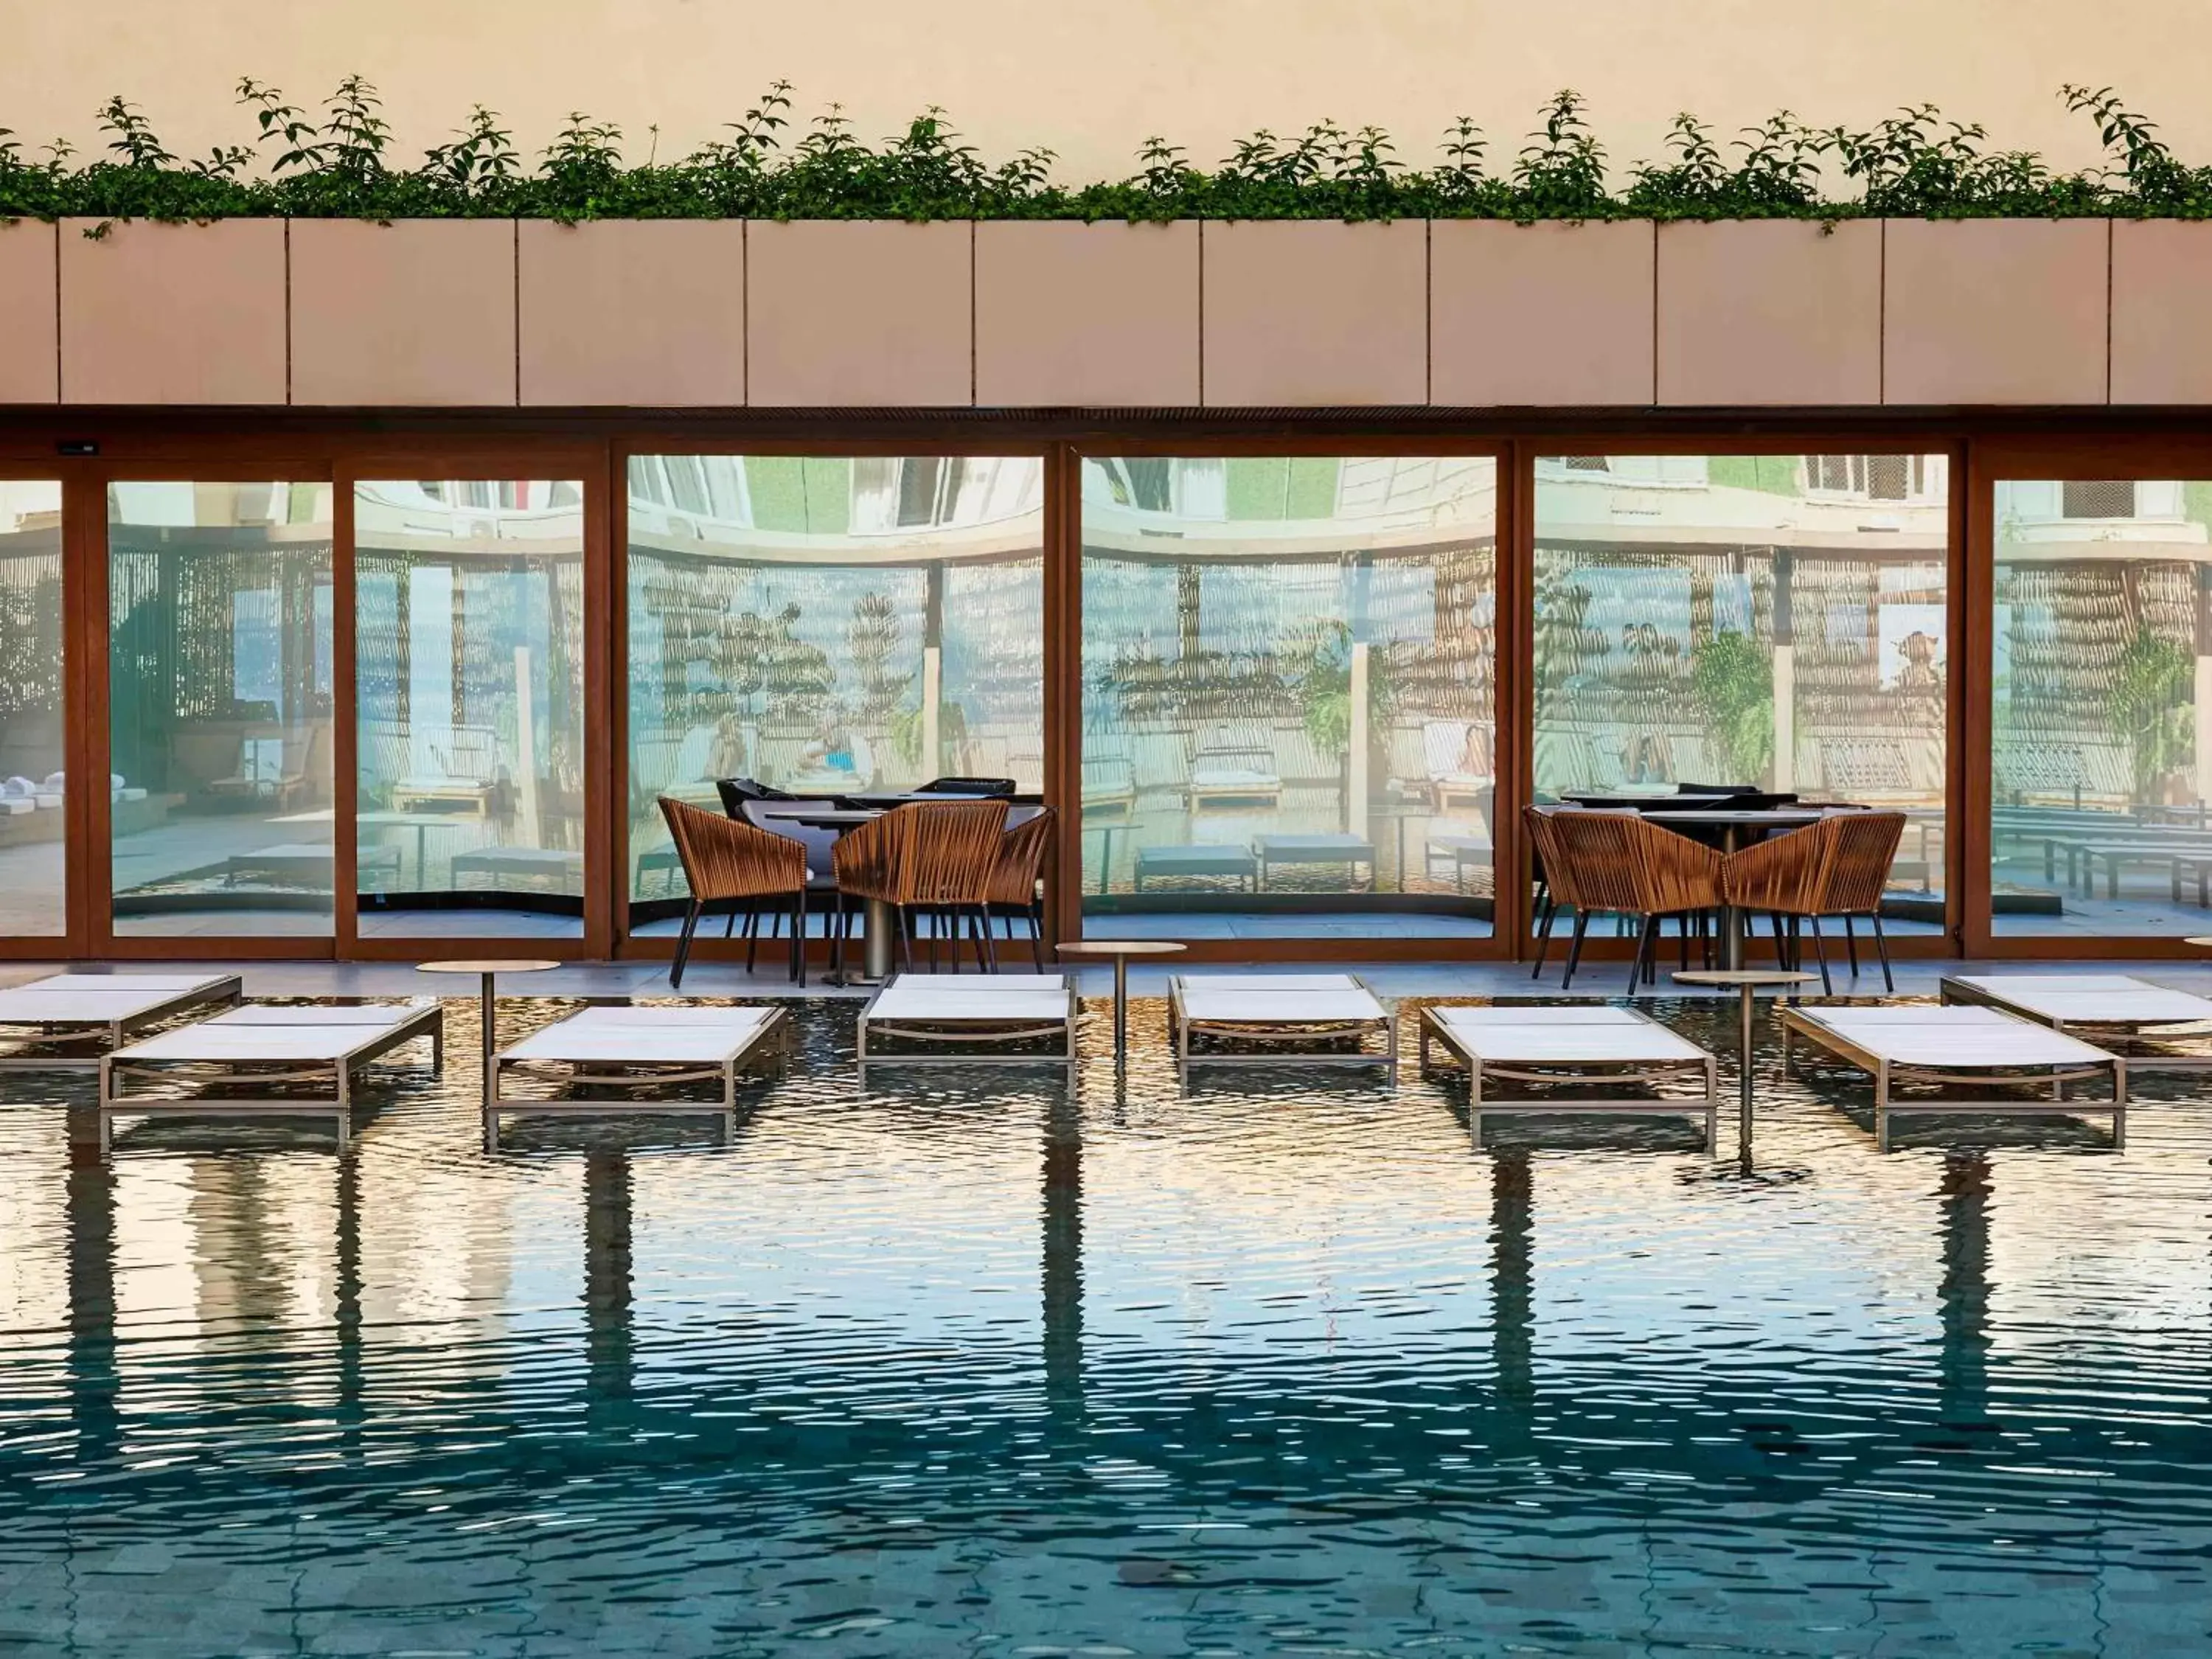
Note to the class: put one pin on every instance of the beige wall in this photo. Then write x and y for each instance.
(1091, 78)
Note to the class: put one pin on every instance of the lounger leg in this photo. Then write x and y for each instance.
(1882, 949)
(683, 946)
(1474, 1101)
(1575, 948)
(344, 1106)
(1544, 936)
(1852, 944)
(1712, 1106)
(730, 1096)
(2119, 1105)
(1881, 1106)
(1820, 952)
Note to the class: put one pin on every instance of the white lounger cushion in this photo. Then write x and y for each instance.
(1223, 1000)
(1268, 982)
(1510, 1034)
(96, 998)
(367, 1013)
(642, 1037)
(1962, 1039)
(2093, 999)
(215, 1042)
(996, 997)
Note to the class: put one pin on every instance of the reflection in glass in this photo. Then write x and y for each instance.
(31, 842)
(2100, 760)
(1287, 703)
(822, 624)
(220, 707)
(469, 676)
(1776, 620)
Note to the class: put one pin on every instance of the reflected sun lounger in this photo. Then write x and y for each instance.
(1953, 1046)
(645, 1048)
(1295, 1020)
(217, 1062)
(100, 1007)
(1572, 1047)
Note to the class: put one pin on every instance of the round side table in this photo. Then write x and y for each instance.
(1749, 982)
(484, 968)
(1120, 950)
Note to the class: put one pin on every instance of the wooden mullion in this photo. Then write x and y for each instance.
(606, 857)
(1063, 701)
(345, 724)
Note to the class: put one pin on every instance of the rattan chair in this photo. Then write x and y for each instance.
(1787, 877)
(1550, 873)
(726, 862)
(1617, 862)
(933, 857)
(1866, 846)
(1017, 888)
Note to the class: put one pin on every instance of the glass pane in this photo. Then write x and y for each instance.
(469, 671)
(2099, 757)
(1287, 704)
(31, 839)
(220, 707)
(824, 625)
(1775, 620)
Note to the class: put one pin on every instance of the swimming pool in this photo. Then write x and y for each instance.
(971, 1365)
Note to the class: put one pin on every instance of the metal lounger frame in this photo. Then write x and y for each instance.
(661, 1074)
(966, 1031)
(1887, 1073)
(1182, 1029)
(229, 990)
(2099, 1032)
(1645, 1073)
(379, 1042)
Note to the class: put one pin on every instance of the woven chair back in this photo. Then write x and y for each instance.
(1866, 846)
(1785, 874)
(723, 858)
(949, 852)
(1022, 852)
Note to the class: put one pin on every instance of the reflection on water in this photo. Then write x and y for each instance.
(968, 1364)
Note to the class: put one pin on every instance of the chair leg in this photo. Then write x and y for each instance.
(1646, 931)
(752, 935)
(1037, 936)
(1682, 939)
(1781, 944)
(1820, 953)
(731, 925)
(1851, 945)
(1881, 948)
(990, 942)
(799, 938)
(1575, 948)
(1544, 936)
(683, 946)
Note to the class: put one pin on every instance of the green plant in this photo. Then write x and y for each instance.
(338, 162)
(2149, 705)
(1732, 676)
(1320, 678)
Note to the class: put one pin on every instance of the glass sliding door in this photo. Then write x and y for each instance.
(2100, 752)
(1776, 620)
(1288, 713)
(33, 848)
(824, 625)
(220, 708)
(469, 676)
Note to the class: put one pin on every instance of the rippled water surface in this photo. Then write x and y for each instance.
(971, 1363)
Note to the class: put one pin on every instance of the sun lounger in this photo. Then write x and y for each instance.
(971, 1010)
(1298, 1019)
(100, 1006)
(640, 1047)
(259, 1044)
(1572, 1047)
(1955, 1045)
(2135, 1017)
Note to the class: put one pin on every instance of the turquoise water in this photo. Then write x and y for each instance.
(969, 1365)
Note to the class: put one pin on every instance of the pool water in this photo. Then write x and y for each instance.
(973, 1364)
